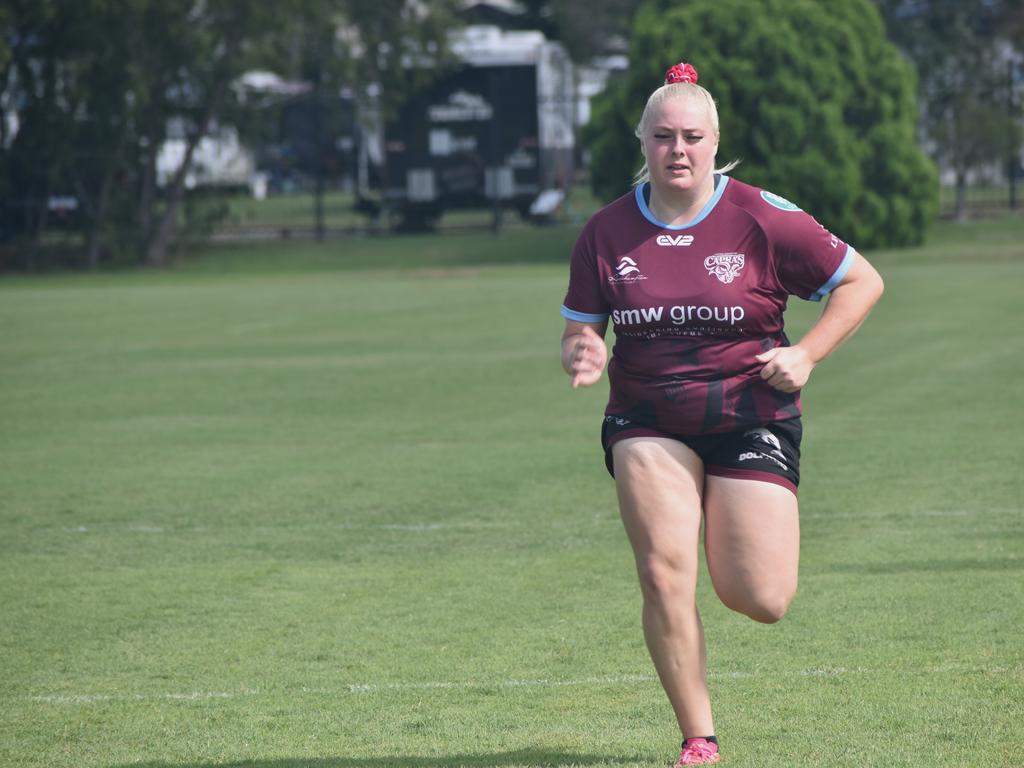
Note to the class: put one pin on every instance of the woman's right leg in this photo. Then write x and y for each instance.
(660, 483)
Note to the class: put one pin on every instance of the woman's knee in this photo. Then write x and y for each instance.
(765, 605)
(666, 580)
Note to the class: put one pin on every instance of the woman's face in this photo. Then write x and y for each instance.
(679, 144)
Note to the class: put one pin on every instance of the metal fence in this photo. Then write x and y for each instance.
(982, 198)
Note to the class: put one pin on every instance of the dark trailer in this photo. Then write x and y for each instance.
(499, 125)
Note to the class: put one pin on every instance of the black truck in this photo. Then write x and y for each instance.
(496, 130)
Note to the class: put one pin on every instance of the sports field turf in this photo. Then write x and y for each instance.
(336, 506)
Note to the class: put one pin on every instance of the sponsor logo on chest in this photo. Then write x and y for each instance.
(626, 271)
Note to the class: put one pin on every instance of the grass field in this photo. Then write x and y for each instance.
(296, 211)
(335, 506)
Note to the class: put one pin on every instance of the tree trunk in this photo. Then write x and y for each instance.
(40, 207)
(147, 192)
(960, 206)
(318, 130)
(92, 247)
(98, 213)
(156, 247)
(39, 210)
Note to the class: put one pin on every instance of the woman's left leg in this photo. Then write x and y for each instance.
(752, 543)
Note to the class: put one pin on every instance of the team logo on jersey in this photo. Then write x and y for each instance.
(674, 240)
(778, 201)
(725, 266)
(627, 271)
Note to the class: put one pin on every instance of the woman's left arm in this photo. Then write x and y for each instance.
(788, 368)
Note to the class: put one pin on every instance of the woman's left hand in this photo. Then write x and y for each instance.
(786, 368)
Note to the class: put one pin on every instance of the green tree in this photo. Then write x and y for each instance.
(101, 132)
(390, 42)
(5, 48)
(212, 44)
(813, 99)
(379, 52)
(92, 87)
(43, 95)
(963, 52)
(585, 27)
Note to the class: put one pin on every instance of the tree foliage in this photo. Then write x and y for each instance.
(587, 28)
(812, 98)
(88, 90)
(965, 54)
(391, 41)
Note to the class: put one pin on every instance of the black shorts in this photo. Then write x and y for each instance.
(770, 453)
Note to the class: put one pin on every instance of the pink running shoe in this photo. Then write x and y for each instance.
(698, 752)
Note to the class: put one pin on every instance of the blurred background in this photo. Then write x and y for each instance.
(133, 131)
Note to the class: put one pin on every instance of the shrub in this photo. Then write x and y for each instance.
(813, 99)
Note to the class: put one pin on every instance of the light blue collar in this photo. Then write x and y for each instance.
(641, 200)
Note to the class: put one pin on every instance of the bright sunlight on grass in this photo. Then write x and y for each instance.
(336, 506)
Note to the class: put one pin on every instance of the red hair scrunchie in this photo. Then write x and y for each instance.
(680, 73)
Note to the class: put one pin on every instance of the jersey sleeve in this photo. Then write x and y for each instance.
(809, 260)
(584, 300)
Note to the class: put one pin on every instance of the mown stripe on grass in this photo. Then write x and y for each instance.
(428, 526)
(616, 680)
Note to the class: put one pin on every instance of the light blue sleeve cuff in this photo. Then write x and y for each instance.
(582, 317)
(837, 276)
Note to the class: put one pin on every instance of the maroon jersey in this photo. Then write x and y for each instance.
(693, 305)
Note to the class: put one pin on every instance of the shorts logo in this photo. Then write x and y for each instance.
(627, 271)
(774, 453)
(779, 202)
(764, 456)
(616, 420)
(725, 266)
(765, 436)
(674, 240)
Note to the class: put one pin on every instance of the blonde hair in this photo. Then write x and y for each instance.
(688, 92)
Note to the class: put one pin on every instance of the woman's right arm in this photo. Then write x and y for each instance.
(584, 353)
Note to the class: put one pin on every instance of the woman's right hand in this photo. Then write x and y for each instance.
(584, 356)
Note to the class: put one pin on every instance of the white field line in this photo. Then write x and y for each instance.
(411, 527)
(885, 516)
(94, 698)
(617, 680)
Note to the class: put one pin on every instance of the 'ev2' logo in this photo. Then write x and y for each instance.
(674, 240)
